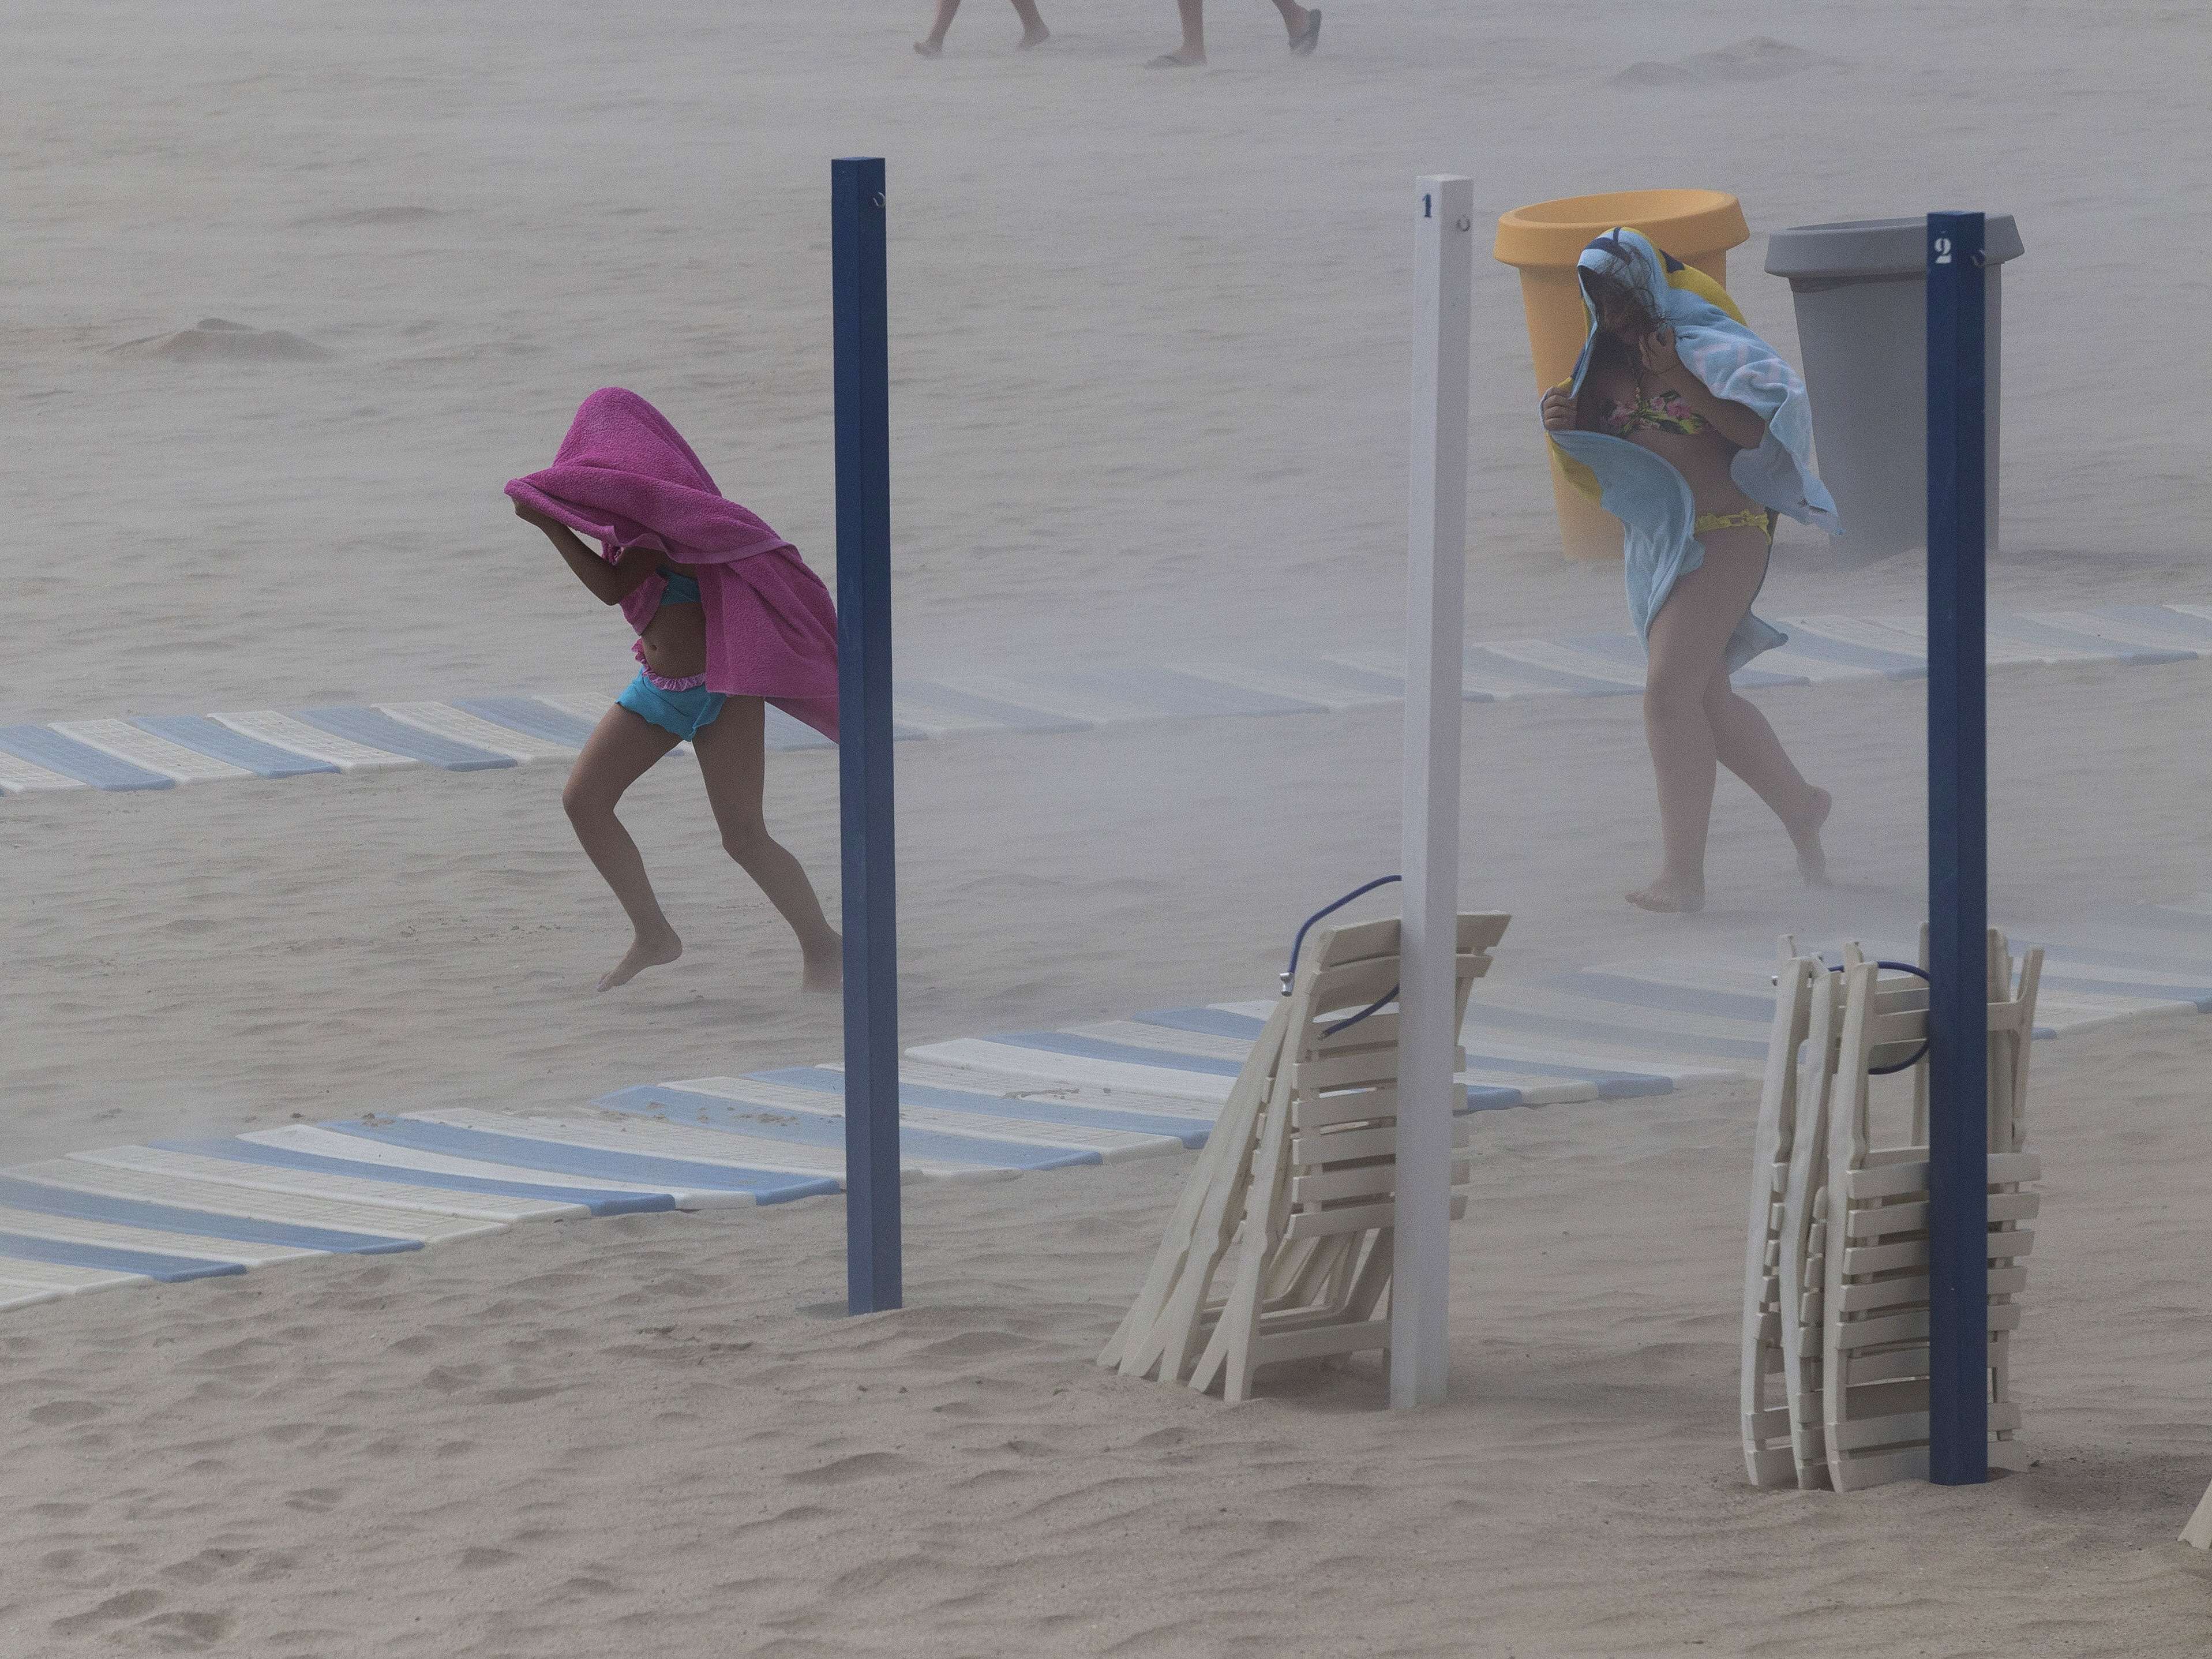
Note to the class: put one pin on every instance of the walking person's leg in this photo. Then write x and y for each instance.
(1748, 746)
(933, 42)
(619, 752)
(1687, 642)
(733, 761)
(1034, 33)
(1192, 52)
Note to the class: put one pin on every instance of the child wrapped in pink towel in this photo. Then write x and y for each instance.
(728, 619)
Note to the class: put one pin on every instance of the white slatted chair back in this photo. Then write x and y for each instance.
(1766, 1290)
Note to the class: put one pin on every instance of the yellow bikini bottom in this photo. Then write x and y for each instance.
(1751, 517)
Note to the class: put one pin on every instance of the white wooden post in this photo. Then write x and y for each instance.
(1436, 637)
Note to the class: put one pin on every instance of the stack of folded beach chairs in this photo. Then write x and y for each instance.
(1834, 1379)
(1293, 1200)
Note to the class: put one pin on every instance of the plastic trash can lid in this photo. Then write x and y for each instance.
(1680, 222)
(1873, 248)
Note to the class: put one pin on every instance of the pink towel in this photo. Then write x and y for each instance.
(625, 476)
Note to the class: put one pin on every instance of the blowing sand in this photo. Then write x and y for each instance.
(291, 297)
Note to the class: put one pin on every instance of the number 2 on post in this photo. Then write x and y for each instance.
(1942, 250)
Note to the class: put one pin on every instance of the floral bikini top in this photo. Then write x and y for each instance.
(1669, 411)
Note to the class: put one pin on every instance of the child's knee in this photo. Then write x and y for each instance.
(581, 800)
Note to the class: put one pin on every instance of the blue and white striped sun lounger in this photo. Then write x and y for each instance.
(409, 1202)
(691, 1184)
(934, 707)
(151, 752)
(1546, 663)
(28, 1193)
(1066, 1056)
(53, 754)
(1103, 698)
(24, 1283)
(20, 777)
(1324, 685)
(1165, 693)
(933, 1141)
(125, 1262)
(2166, 633)
(1815, 638)
(218, 742)
(310, 1152)
(533, 717)
(2184, 624)
(458, 726)
(281, 731)
(731, 1106)
(1115, 1135)
(375, 729)
(2056, 636)
(324, 1213)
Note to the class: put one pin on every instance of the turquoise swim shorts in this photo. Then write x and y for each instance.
(683, 712)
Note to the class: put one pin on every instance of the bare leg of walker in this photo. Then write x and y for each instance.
(733, 761)
(933, 42)
(1034, 33)
(1687, 640)
(1192, 52)
(1747, 745)
(620, 750)
(1295, 19)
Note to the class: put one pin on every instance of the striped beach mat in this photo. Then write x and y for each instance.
(490, 733)
(972, 1108)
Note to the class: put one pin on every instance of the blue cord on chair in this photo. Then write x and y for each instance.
(1298, 943)
(1922, 1053)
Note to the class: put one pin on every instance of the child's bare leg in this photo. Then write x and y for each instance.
(733, 761)
(1034, 33)
(1747, 745)
(1294, 17)
(1688, 643)
(620, 750)
(1192, 52)
(933, 43)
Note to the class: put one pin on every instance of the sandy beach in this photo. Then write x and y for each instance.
(1150, 338)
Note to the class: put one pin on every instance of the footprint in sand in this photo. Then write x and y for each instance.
(218, 340)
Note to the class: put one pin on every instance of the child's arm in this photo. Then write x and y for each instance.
(610, 584)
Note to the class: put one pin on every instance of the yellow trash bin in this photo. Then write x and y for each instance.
(1542, 242)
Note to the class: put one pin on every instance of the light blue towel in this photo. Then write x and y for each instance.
(1651, 499)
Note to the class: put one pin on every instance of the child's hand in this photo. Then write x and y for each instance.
(1559, 411)
(1657, 351)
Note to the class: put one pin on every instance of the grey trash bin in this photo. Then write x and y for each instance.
(1861, 291)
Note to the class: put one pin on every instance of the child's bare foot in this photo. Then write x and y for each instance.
(1671, 895)
(930, 48)
(825, 966)
(1805, 834)
(1035, 37)
(1178, 60)
(645, 952)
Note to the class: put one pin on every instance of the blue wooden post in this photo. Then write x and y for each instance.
(1958, 859)
(862, 331)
